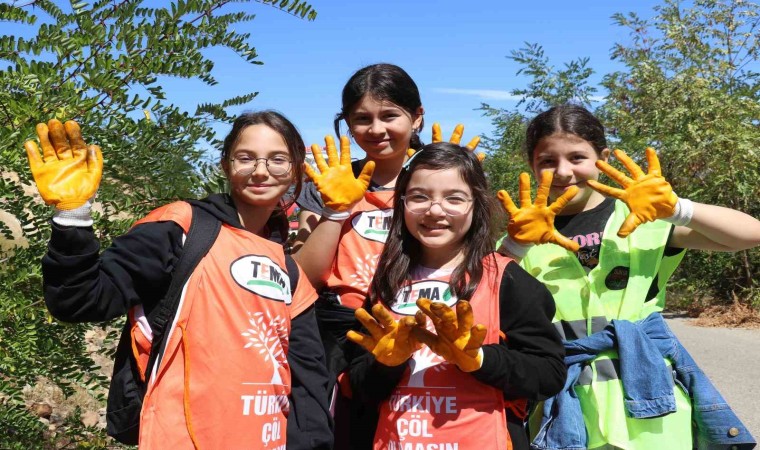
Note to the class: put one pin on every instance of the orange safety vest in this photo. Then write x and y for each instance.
(224, 379)
(362, 239)
(436, 406)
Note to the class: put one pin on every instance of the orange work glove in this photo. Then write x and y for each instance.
(68, 173)
(390, 340)
(533, 223)
(457, 340)
(336, 183)
(649, 196)
(456, 138)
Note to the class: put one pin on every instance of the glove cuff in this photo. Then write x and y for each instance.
(479, 359)
(331, 214)
(78, 217)
(683, 214)
(516, 249)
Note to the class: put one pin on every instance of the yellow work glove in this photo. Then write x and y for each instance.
(390, 340)
(533, 223)
(68, 172)
(456, 138)
(336, 183)
(649, 196)
(455, 339)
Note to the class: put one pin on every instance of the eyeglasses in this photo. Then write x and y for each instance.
(246, 165)
(453, 205)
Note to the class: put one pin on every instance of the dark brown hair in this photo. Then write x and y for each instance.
(567, 118)
(381, 82)
(402, 252)
(296, 151)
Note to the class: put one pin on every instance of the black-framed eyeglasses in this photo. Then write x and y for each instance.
(246, 165)
(452, 205)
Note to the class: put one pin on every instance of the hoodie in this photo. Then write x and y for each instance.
(83, 285)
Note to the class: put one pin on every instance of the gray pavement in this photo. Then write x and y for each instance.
(731, 358)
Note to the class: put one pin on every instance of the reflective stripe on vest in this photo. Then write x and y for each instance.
(606, 370)
(572, 329)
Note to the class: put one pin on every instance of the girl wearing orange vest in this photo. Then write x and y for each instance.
(342, 230)
(452, 384)
(242, 358)
(346, 211)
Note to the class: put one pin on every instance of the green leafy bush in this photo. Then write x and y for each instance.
(98, 63)
(688, 87)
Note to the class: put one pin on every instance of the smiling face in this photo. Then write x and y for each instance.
(573, 161)
(382, 129)
(440, 235)
(259, 187)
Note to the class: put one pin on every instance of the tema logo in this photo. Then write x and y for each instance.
(262, 276)
(373, 225)
(437, 291)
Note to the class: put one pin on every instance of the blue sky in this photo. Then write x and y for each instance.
(456, 52)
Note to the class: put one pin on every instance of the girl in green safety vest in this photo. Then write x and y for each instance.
(607, 254)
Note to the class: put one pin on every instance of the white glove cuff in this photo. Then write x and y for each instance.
(79, 217)
(516, 249)
(331, 214)
(683, 214)
(482, 356)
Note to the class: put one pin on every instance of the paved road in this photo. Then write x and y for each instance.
(731, 358)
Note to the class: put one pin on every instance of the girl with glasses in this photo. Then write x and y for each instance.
(463, 377)
(238, 340)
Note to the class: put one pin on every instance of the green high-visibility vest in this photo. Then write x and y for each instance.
(616, 288)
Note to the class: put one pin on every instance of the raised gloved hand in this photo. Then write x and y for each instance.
(68, 173)
(533, 223)
(456, 138)
(390, 340)
(649, 196)
(456, 339)
(336, 183)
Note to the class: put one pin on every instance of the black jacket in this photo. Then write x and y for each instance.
(83, 285)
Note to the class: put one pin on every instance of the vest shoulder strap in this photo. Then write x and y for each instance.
(204, 228)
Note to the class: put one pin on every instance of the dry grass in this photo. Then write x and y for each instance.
(738, 315)
(46, 392)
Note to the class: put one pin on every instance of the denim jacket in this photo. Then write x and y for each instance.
(648, 387)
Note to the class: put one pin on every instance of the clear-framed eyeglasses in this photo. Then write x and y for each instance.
(245, 165)
(452, 205)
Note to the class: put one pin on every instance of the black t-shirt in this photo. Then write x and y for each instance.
(311, 200)
(587, 229)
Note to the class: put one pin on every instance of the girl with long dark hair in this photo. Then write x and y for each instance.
(456, 382)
